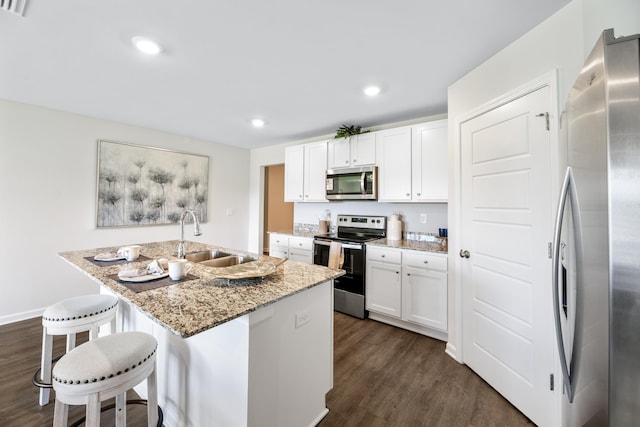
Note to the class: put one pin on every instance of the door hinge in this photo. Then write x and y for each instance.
(549, 250)
(546, 117)
(551, 382)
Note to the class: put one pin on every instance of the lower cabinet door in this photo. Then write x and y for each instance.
(424, 297)
(301, 255)
(384, 288)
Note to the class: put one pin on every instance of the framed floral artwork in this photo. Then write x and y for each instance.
(139, 186)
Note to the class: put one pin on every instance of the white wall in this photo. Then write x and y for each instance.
(560, 43)
(48, 197)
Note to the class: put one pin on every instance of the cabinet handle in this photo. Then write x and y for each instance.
(383, 255)
(464, 253)
(397, 272)
(426, 261)
(300, 196)
(408, 194)
(417, 194)
(355, 161)
(346, 161)
(408, 274)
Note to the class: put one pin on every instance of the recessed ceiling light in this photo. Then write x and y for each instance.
(146, 45)
(258, 123)
(371, 90)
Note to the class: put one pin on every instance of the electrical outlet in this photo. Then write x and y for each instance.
(302, 319)
(423, 218)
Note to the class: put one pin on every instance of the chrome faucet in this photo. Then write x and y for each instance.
(196, 230)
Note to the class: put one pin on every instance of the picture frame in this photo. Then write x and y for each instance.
(143, 186)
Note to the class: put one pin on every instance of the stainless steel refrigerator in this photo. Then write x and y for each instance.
(596, 259)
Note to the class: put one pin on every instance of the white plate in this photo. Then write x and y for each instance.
(145, 278)
(116, 258)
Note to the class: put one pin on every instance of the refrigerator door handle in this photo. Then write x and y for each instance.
(565, 191)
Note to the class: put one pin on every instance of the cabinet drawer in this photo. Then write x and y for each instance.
(279, 239)
(376, 253)
(300, 243)
(417, 259)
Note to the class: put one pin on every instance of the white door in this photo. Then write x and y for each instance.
(506, 213)
(393, 153)
(315, 172)
(384, 288)
(294, 173)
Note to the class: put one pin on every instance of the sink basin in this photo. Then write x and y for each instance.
(217, 258)
(227, 261)
(206, 255)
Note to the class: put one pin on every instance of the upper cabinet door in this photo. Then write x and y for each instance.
(339, 153)
(358, 150)
(393, 154)
(429, 156)
(363, 149)
(315, 172)
(294, 173)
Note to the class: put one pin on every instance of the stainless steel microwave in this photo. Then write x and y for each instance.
(352, 183)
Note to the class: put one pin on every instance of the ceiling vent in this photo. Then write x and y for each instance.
(14, 6)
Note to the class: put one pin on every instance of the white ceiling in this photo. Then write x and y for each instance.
(300, 65)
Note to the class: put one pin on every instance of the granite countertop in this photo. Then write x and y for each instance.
(193, 306)
(436, 246)
(296, 233)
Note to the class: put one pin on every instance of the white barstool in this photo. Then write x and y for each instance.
(101, 369)
(69, 317)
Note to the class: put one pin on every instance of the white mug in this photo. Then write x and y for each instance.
(131, 253)
(178, 268)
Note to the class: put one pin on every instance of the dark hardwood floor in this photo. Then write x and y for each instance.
(383, 376)
(19, 359)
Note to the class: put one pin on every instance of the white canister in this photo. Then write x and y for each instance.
(394, 228)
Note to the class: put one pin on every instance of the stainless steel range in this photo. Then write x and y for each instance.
(352, 232)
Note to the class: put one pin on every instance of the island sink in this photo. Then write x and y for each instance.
(217, 258)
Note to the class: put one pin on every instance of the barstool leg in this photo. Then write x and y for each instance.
(152, 399)
(60, 414)
(93, 410)
(93, 333)
(45, 366)
(71, 342)
(121, 410)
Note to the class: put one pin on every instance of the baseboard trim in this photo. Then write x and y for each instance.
(452, 351)
(319, 417)
(409, 326)
(18, 317)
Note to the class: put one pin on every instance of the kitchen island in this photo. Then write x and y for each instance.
(233, 353)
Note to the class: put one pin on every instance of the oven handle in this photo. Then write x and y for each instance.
(344, 245)
(363, 188)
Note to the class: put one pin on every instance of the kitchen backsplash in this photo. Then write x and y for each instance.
(308, 214)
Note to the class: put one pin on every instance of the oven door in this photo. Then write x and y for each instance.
(353, 279)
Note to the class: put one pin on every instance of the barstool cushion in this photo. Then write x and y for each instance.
(105, 358)
(79, 307)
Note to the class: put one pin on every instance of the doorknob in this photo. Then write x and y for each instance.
(464, 254)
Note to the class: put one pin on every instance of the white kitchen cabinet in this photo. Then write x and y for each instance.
(424, 289)
(429, 157)
(355, 151)
(393, 154)
(294, 248)
(305, 172)
(278, 245)
(408, 289)
(384, 281)
(301, 249)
